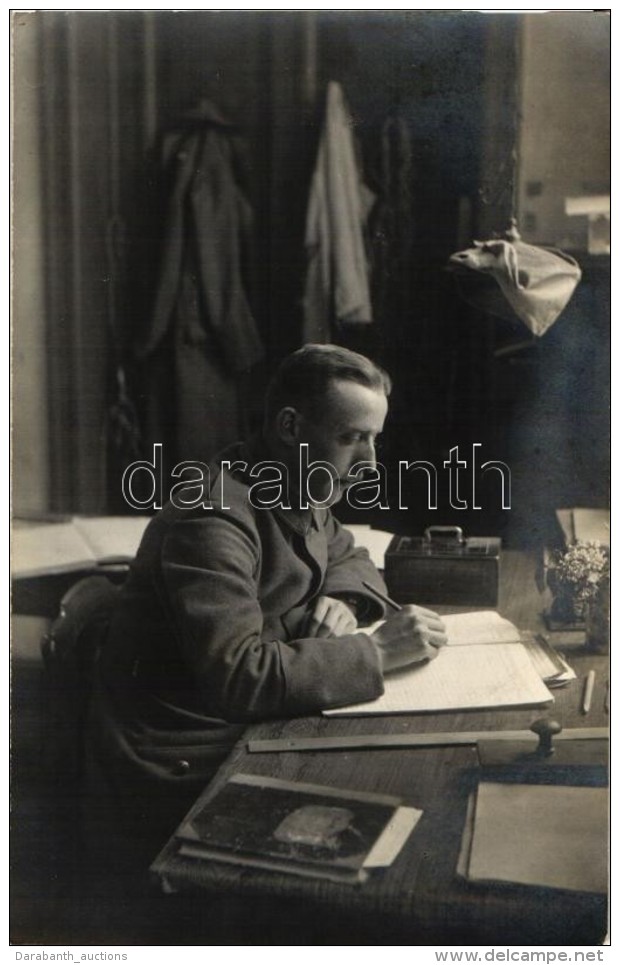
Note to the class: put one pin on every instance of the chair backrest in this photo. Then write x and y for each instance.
(70, 650)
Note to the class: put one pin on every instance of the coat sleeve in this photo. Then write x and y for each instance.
(347, 570)
(209, 569)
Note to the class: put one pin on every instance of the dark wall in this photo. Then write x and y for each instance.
(432, 96)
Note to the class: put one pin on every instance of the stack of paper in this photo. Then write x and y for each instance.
(531, 834)
(549, 664)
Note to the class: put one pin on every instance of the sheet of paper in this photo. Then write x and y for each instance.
(541, 835)
(584, 524)
(592, 524)
(376, 541)
(459, 678)
(48, 548)
(462, 864)
(112, 537)
(388, 846)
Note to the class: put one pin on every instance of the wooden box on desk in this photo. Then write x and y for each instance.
(444, 567)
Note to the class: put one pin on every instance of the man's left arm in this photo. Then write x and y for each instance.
(348, 567)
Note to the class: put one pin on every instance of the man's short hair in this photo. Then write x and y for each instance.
(303, 378)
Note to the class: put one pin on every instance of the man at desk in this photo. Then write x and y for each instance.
(234, 613)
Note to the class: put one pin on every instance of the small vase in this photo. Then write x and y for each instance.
(566, 609)
(598, 630)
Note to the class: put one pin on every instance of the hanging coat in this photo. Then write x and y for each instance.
(337, 283)
(201, 336)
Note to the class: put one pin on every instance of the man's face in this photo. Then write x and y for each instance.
(342, 432)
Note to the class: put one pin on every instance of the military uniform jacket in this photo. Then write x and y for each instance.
(207, 632)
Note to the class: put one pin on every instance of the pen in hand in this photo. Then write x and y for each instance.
(415, 635)
(381, 596)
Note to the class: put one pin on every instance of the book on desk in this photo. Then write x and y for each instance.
(542, 835)
(296, 828)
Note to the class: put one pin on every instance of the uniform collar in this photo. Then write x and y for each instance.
(253, 451)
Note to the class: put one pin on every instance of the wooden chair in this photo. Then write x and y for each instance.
(102, 895)
(69, 651)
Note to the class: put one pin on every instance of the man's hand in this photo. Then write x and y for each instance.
(330, 618)
(409, 636)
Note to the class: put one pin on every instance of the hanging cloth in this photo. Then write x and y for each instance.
(337, 283)
(201, 339)
(508, 277)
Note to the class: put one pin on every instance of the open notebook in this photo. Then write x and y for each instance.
(484, 665)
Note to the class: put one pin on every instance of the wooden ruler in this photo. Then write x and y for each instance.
(446, 739)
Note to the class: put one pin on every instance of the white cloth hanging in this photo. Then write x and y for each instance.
(337, 282)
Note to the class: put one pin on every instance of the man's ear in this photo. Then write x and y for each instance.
(287, 425)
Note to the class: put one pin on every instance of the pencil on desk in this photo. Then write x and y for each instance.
(382, 596)
(587, 692)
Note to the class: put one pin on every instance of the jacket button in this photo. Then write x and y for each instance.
(181, 768)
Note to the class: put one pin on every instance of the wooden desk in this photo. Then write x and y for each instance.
(419, 899)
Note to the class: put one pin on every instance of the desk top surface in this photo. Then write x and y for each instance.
(419, 897)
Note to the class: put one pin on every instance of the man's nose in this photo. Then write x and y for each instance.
(366, 452)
